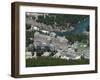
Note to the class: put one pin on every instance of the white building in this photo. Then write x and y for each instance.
(34, 28)
(57, 55)
(44, 31)
(46, 54)
(28, 55)
(35, 55)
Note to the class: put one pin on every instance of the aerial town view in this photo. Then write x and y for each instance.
(56, 39)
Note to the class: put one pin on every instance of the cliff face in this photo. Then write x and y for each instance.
(63, 36)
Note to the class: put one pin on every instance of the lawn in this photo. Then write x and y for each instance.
(48, 61)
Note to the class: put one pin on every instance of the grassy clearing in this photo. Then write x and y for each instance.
(48, 61)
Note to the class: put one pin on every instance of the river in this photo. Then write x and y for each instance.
(78, 28)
